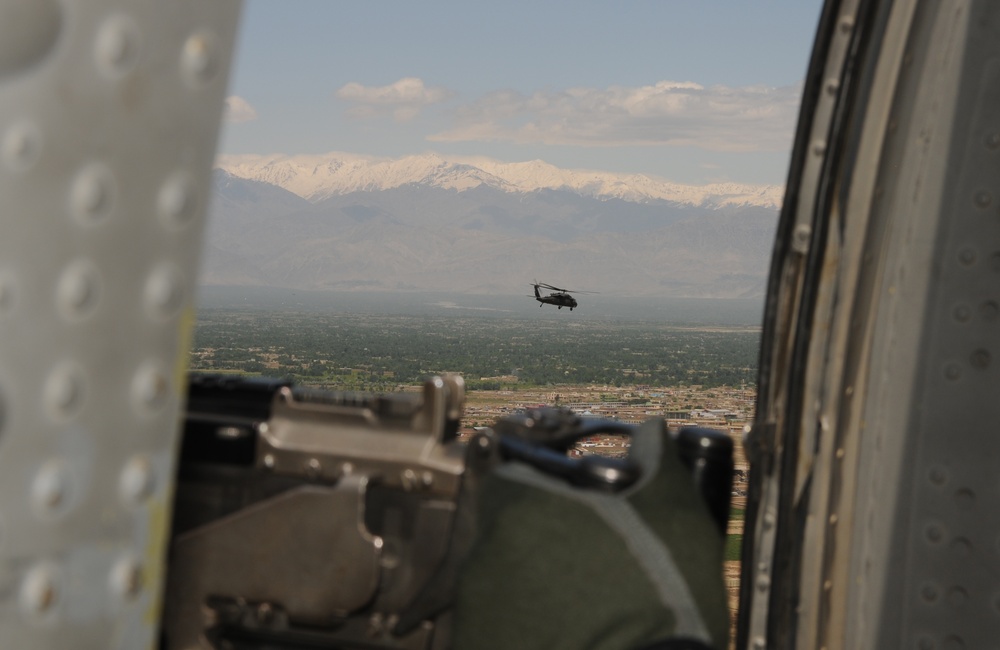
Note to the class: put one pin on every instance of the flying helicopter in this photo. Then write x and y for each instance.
(561, 298)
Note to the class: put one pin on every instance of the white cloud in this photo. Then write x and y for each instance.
(402, 99)
(239, 110)
(721, 118)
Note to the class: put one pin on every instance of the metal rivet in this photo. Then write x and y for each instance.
(176, 200)
(150, 388)
(199, 58)
(934, 533)
(982, 199)
(819, 147)
(28, 33)
(846, 23)
(269, 461)
(483, 445)
(980, 359)
(957, 596)
(116, 49)
(801, 238)
(346, 469)
(952, 371)
(954, 643)
(929, 593)
(21, 147)
(833, 519)
(763, 583)
(136, 481)
(265, 613)
(989, 310)
(967, 256)
(962, 313)
(163, 294)
(965, 499)
(78, 291)
(125, 578)
(938, 475)
(962, 547)
(832, 85)
(63, 393)
(313, 468)
(50, 489)
(39, 590)
(92, 195)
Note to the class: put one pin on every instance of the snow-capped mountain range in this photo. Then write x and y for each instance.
(425, 224)
(319, 177)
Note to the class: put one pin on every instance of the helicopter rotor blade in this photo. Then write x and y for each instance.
(552, 288)
(549, 286)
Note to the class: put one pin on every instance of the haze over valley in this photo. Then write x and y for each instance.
(343, 222)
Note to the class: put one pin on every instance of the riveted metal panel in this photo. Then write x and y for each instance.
(939, 551)
(892, 539)
(109, 113)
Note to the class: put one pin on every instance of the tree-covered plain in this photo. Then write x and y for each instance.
(383, 352)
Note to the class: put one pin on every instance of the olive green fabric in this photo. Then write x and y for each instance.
(679, 517)
(555, 566)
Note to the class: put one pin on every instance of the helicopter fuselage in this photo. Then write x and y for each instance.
(559, 299)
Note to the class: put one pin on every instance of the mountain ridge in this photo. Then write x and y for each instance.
(316, 177)
(419, 237)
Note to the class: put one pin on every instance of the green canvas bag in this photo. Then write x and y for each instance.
(554, 564)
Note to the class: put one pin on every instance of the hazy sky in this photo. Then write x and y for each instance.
(687, 90)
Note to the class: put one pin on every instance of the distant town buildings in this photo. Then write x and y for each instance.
(726, 409)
